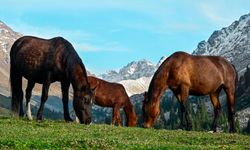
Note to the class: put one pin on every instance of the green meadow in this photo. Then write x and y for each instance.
(23, 134)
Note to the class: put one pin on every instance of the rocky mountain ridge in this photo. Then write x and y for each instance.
(232, 43)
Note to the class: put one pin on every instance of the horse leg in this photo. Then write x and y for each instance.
(113, 117)
(28, 96)
(231, 111)
(119, 120)
(65, 99)
(116, 115)
(216, 104)
(20, 99)
(44, 98)
(182, 97)
(178, 96)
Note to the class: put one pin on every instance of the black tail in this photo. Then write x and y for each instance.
(16, 86)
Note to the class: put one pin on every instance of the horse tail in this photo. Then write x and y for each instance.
(131, 118)
(15, 83)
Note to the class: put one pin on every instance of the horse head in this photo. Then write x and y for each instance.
(83, 106)
(150, 112)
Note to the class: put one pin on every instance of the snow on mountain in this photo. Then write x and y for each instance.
(131, 71)
(111, 76)
(232, 42)
(135, 76)
(136, 86)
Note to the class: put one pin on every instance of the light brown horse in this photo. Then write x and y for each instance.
(113, 95)
(186, 74)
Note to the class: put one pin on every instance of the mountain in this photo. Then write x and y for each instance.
(232, 42)
(131, 71)
(7, 37)
(135, 76)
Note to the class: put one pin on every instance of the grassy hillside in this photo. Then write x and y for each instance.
(23, 134)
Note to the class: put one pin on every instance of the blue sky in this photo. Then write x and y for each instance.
(108, 34)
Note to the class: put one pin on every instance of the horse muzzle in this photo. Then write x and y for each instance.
(146, 125)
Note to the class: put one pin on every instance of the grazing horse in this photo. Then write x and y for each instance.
(46, 61)
(187, 74)
(113, 95)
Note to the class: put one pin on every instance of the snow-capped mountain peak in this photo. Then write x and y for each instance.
(131, 71)
(232, 42)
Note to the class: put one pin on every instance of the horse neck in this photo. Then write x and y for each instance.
(158, 85)
(79, 77)
(129, 111)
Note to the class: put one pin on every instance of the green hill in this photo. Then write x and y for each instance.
(23, 134)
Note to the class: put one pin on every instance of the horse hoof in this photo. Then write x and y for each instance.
(39, 121)
(29, 117)
(232, 131)
(69, 120)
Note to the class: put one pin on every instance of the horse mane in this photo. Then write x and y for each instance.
(153, 83)
(70, 57)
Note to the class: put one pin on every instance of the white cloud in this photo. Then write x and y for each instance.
(214, 15)
(86, 47)
(77, 37)
(48, 32)
(223, 12)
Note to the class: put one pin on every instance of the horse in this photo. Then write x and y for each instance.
(113, 95)
(188, 74)
(45, 61)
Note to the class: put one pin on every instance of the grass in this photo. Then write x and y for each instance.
(23, 134)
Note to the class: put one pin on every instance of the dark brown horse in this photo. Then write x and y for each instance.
(46, 61)
(186, 74)
(113, 95)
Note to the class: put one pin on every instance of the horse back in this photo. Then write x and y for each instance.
(202, 74)
(107, 93)
(33, 57)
